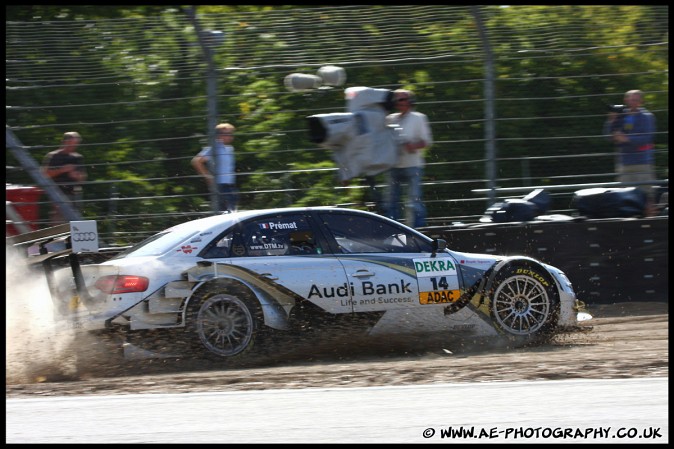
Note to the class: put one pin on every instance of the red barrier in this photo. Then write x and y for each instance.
(24, 200)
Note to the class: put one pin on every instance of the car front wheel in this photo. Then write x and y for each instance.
(525, 305)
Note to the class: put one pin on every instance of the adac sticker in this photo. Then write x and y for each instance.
(439, 296)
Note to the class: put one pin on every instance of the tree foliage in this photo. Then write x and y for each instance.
(277, 162)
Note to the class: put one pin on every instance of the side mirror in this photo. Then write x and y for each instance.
(438, 245)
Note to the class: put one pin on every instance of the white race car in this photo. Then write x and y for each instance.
(219, 285)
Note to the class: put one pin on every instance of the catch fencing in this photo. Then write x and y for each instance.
(516, 97)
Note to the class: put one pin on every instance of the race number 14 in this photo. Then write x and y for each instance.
(440, 294)
(440, 283)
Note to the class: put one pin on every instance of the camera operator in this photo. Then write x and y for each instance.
(633, 133)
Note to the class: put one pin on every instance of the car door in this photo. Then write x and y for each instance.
(286, 250)
(387, 265)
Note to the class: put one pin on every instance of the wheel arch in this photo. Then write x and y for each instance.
(274, 315)
(520, 261)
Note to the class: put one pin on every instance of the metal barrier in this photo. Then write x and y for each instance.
(607, 260)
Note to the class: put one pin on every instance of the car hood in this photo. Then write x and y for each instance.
(476, 260)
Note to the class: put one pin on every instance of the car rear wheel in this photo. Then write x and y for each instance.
(223, 326)
(525, 306)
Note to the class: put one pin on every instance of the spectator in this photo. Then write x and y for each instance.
(221, 179)
(414, 138)
(65, 167)
(633, 133)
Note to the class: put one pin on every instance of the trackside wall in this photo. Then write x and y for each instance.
(607, 260)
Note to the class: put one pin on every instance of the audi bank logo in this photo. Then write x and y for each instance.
(84, 236)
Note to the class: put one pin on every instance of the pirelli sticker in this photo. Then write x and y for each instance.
(438, 280)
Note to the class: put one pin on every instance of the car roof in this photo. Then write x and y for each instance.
(229, 218)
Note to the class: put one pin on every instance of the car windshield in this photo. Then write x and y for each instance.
(158, 244)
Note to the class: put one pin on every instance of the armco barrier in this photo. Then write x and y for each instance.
(607, 260)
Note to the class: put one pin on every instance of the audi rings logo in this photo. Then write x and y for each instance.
(84, 236)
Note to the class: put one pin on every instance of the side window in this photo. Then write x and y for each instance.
(221, 248)
(278, 236)
(360, 234)
(303, 242)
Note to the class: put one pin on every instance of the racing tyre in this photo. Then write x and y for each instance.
(223, 326)
(525, 305)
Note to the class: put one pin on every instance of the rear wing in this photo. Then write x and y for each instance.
(52, 248)
(45, 240)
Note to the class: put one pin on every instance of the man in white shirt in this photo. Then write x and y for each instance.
(414, 138)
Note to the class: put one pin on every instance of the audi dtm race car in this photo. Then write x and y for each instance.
(219, 286)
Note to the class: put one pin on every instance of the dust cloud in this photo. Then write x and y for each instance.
(35, 349)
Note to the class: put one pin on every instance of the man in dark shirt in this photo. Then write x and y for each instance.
(65, 167)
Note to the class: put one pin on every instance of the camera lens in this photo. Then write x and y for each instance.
(619, 108)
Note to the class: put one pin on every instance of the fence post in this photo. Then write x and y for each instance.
(489, 115)
(211, 97)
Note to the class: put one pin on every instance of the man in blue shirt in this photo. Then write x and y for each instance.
(633, 133)
(222, 178)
